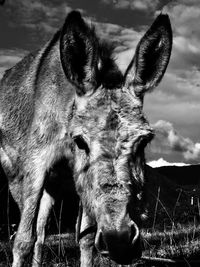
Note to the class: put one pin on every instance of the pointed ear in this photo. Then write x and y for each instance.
(152, 56)
(78, 52)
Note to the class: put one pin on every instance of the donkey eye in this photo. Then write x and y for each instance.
(81, 143)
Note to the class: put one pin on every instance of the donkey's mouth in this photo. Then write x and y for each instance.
(126, 254)
(123, 254)
(117, 247)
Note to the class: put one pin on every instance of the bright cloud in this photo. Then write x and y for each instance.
(178, 97)
(133, 4)
(169, 140)
(161, 162)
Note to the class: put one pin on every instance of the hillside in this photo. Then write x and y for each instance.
(185, 175)
(176, 203)
(162, 191)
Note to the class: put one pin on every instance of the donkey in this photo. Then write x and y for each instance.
(70, 100)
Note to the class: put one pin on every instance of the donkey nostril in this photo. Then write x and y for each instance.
(135, 233)
(101, 246)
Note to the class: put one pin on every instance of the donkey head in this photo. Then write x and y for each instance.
(109, 129)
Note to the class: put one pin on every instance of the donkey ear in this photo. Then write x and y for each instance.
(151, 57)
(78, 51)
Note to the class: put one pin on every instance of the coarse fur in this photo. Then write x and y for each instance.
(70, 100)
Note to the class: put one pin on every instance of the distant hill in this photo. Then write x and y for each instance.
(185, 175)
(162, 190)
(156, 180)
(176, 191)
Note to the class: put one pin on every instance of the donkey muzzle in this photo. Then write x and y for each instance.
(123, 246)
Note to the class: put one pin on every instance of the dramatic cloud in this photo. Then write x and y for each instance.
(178, 97)
(185, 16)
(32, 22)
(133, 4)
(36, 14)
(26, 25)
(177, 100)
(168, 140)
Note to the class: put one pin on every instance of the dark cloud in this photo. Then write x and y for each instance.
(184, 16)
(2, 2)
(28, 24)
(31, 13)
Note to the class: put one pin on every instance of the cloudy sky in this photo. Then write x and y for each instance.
(174, 107)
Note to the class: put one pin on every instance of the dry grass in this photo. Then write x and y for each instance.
(181, 243)
(176, 241)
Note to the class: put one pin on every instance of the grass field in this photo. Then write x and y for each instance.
(171, 236)
(168, 242)
(181, 244)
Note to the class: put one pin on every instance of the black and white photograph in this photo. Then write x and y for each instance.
(99, 133)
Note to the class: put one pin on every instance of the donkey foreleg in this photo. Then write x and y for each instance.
(33, 181)
(46, 204)
(86, 241)
(25, 238)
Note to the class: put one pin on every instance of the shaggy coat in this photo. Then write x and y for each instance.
(70, 100)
